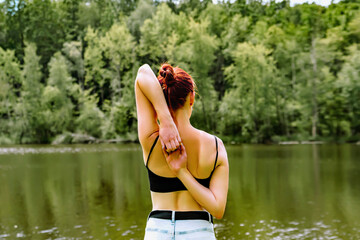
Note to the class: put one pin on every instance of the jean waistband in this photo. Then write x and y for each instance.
(181, 215)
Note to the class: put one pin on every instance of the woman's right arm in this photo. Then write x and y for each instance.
(213, 199)
(151, 105)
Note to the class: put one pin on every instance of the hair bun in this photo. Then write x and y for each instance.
(167, 72)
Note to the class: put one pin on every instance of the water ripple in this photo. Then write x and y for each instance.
(42, 150)
(273, 229)
(48, 231)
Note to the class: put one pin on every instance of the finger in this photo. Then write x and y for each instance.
(168, 147)
(177, 143)
(172, 149)
(182, 149)
(164, 150)
(162, 144)
(173, 145)
(179, 139)
(164, 147)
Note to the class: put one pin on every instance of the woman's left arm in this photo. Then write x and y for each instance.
(213, 199)
(151, 105)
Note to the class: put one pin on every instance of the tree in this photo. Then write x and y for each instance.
(73, 52)
(311, 18)
(69, 12)
(45, 28)
(155, 33)
(314, 67)
(57, 108)
(258, 32)
(118, 47)
(144, 10)
(284, 50)
(349, 84)
(10, 80)
(91, 118)
(237, 31)
(29, 107)
(354, 31)
(89, 16)
(2, 26)
(15, 24)
(10, 69)
(192, 54)
(95, 71)
(252, 97)
(217, 18)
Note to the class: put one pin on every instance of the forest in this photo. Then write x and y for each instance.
(265, 72)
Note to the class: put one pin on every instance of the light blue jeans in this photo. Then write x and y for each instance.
(178, 229)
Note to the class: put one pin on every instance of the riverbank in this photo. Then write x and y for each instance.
(76, 138)
(81, 138)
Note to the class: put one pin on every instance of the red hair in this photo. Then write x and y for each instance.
(176, 85)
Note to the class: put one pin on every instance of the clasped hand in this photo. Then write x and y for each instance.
(177, 159)
(169, 137)
(173, 149)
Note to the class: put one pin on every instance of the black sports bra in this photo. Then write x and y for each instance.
(165, 184)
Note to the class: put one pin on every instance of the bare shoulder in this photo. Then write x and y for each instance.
(206, 138)
(222, 158)
(211, 140)
(222, 154)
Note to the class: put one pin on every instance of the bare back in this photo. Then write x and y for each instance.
(193, 189)
(201, 151)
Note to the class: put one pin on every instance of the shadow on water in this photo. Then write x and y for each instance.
(101, 192)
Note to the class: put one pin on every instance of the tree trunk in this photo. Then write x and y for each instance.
(293, 82)
(116, 85)
(278, 115)
(286, 122)
(314, 89)
(119, 83)
(254, 109)
(293, 73)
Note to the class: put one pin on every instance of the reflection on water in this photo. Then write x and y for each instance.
(101, 192)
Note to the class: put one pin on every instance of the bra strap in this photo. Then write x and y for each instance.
(217, 153)
(152, 148)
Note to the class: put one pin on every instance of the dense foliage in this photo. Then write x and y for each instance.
(264, 72)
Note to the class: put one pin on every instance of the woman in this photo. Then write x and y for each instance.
(188, 168)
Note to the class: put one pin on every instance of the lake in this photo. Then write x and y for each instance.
(102, 192)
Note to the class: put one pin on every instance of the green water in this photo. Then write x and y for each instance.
(101, 192)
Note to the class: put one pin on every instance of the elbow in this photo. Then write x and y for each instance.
(144, 68)
(219, 215)
(142, 71)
